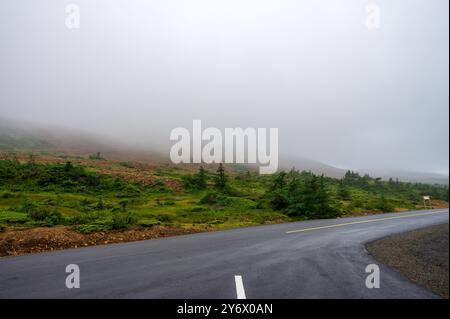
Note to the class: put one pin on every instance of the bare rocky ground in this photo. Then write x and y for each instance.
(41, 239)
(421, 256)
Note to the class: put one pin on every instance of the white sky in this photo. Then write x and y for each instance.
(338, 92)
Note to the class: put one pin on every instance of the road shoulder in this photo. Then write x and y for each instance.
(421, 255)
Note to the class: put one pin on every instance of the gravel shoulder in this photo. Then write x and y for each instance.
(421, 255)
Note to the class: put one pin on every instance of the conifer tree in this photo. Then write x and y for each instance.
(221, 178)
(201, 178)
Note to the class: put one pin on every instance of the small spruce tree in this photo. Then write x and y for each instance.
(221, 178)
(201, 178)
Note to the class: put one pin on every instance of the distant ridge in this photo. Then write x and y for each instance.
(20, 136)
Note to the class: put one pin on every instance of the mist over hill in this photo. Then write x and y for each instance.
(21, 136)
(341, 94)
(408, 176)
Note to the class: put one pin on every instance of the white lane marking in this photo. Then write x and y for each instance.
(240, 292)
(363, 222)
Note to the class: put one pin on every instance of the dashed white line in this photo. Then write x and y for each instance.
(363, 222)
(240, 292)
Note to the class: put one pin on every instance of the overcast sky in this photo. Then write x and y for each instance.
(338, 91)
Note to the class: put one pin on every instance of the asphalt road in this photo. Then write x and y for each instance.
(313, 259)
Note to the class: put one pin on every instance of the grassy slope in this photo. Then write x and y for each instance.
(162, 199)
(158, 197)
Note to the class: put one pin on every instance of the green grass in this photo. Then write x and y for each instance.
(33, 194)
(11, 217)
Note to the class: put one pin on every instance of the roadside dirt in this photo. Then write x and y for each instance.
(421, 255)
(41, 239)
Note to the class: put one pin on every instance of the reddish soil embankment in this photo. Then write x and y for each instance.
(18, 242)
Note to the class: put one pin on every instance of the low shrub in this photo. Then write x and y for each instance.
(384, 205)
(123, 220)
(210, 198)
(148, 222)
(41, 214)
(259, 204)
(215, 198)
(7, 195)
(52, 217)
(83, 218)
(158, 186)
(164, 218)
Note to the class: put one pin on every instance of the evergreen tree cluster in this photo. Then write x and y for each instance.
(199, 180)
(302, 194)
(413, 191)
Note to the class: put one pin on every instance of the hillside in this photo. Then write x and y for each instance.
(17, 136)
(93, 195)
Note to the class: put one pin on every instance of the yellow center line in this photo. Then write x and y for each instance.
(364, 221)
